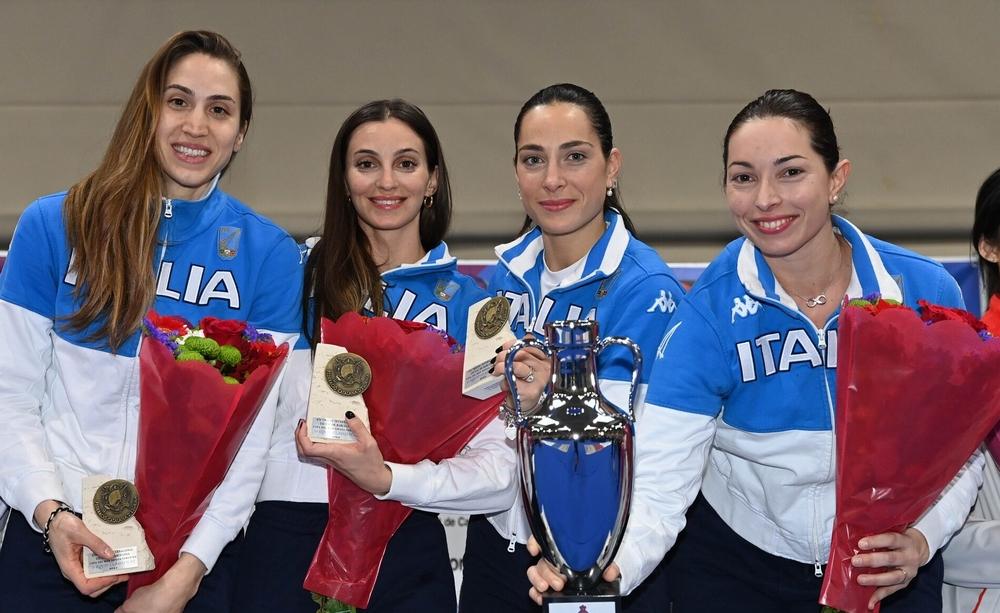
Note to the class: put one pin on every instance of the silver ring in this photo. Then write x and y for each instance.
(528, 378)
(906, 575)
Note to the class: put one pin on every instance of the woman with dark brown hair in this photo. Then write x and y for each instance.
(388, 208)
(148, 229)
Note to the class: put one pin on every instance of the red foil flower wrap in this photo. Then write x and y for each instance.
(416, 412)
(191, 424)
(914, 401)
(991, 319)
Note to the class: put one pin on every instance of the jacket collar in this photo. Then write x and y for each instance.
(869, 275)
(437, 258)
(190, 217)
(523, 256)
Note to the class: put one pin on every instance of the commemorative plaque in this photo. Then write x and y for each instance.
(338, 381)
(109, 507)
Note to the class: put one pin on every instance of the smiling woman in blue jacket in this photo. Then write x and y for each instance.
(577, 258)
(148, 229)
(741, 398)
(382, 254)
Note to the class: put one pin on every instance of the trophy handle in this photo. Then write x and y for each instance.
(636, 369)
(508, 372)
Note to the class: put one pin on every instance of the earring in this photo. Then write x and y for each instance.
(836, 197)
(429, 201)
(611, 191)
(519, 194)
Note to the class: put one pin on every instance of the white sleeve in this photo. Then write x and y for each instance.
(671, 449)
(233, 500)
(947, 515)
(27, 474)
(972, 558)
(480, 479)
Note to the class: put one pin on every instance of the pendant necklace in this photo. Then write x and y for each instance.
(820, 299)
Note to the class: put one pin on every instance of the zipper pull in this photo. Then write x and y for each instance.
(821, 339)
(168, 208)
(512, 542)
(818, 569)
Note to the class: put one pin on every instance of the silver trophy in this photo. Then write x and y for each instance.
(575, 452)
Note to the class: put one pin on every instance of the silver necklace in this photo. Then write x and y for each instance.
(815, 301)
(820, 299)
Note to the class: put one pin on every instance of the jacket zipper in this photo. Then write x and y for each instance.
(822, 345)
(168, 208)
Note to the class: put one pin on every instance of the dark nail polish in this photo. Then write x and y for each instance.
(493, 361)
(349, 414)
(499, 349)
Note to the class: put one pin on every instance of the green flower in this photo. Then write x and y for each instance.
(230, 380)
(205, 346)
(190, 356)
(331, 605)
(229, 355)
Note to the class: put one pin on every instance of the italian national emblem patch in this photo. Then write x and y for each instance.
(229, 241)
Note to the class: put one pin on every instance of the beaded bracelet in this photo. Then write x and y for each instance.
(48, 523)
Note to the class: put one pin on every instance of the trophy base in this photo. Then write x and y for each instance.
(602, 598)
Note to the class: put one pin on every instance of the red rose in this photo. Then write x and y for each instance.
(225, 332)
(934, 313)
(258, 353)
(169, 323)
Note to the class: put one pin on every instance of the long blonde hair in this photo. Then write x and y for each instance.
(112, 215)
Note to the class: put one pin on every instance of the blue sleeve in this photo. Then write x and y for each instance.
(277, 303)
(690, 370)
(30, 277)
(640, 313)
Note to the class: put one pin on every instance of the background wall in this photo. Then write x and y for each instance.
(910, 85)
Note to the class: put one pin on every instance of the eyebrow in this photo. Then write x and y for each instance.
(568, 145)
(777, 162)
(375, 153)
(190, 92)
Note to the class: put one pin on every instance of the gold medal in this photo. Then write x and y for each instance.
(348, 374)
(492, 317)
(116, 501)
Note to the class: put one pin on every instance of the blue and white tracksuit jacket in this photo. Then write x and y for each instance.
(747, 381)
(478, 480)
(70, 407)
(624, 285)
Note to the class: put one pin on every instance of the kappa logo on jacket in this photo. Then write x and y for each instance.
(744, 307)
(665, 303)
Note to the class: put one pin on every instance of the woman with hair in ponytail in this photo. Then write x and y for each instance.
(577, 258)
(148, 229)
(388, 208)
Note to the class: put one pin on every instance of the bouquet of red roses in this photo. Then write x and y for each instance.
(916, 395)
(200, 391)
(417, 412)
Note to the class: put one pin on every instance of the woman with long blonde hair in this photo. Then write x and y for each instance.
(148, 229)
